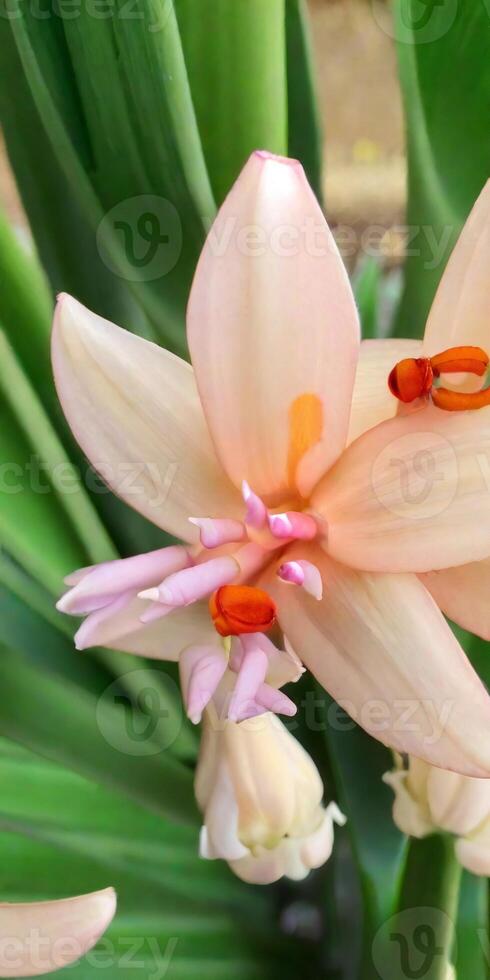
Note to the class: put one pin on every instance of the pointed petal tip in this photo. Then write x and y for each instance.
(267, 157)
(152, 594)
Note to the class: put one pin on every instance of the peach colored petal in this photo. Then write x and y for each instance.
(135, 411)
(372, 401)
(460, 312)
(412, 494)
(463, 594)
(40, 937)
(380, 646)
(273, 332)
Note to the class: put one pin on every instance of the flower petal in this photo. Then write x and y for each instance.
(273, 332)
(411, 494)
(460, 312)
(463, 595)
(160, 640)
(408, 814)
(372, 401)
(135, 411)
(457, 804)
(39, 937)
(380, 646)
(103, 582)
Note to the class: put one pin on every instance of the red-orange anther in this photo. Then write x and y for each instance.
(473, 360)
(460, 401)
(411, 378)
(414, 377)
(237, 609)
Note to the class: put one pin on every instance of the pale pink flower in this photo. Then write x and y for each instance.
(430, 800)
(39, 937)
(251, 442)
(261, 798)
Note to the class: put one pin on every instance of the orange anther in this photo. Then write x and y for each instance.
(473, 360)
(411, 378)
(237, 609)
(459, 401)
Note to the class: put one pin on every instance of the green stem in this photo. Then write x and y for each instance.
(418, 941)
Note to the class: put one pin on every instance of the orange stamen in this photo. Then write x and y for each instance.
(237, 609)
(471, 360)
(459, 401)
(411, 378)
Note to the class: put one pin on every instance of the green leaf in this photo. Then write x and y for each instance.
(46, 802)
(358, 763)
(25, 306)
(92, 735)
(366, 285)
(64, 834)
(133, 85)
(236, 59)
(472, 929)
(304, 126)
(33, 527)
(422, 934)
(64, 239)
(54, 462)
(448, 156)
(48, 70)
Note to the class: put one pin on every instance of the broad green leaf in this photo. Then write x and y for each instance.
(46, 802)
(442, 51)
(148, 163)
(92, 735)
(54, 462)
(305, 140)
(236, 60)
(48, 70)
(65, 241)
(64, 834)
(148, 696)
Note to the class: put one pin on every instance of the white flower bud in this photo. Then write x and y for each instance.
(261, 796)
(428, 799)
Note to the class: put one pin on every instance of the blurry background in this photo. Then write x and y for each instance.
(360, 101)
